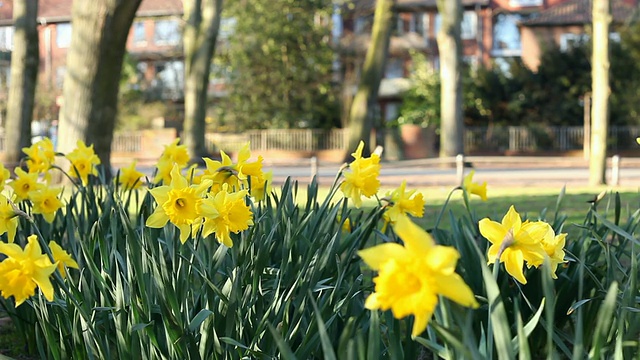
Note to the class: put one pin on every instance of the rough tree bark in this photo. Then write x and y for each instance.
(202, 21)
(94, 65)
(600, 91)
(450, 49)
(366, 98)
(24, 74)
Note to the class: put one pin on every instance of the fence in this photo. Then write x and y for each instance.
(543, 138)
(496, 139)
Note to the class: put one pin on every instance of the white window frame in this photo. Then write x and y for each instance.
(66, 27)
(171, 41)
(525, 3)
(567, 40)
(6, 38)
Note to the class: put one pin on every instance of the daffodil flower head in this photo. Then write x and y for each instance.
(24, 184)
(403, 202)
(8, 218)
(176, 153)
(246, 168)
(222, 172)
(474, 188)
(178, 203)
(553, 246)
(62, 258)
(261, 186)
(40, 156)
(163, 171)
(361, 178)
(411, 277)
(514, 242)
(46, 202)
(24, 270)
(225, 213)
(130, 178)
(83, 162)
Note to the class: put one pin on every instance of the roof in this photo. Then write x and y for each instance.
(60, 10)
(577, 12)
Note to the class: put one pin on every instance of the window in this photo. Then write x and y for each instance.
(568, 41)
(170, 77)
(139, 34)
(363, 24)
(522, 3)
(417, 24)
(63, 35)
(6, 38)
(506, 35)
(394, 68)
(468, 28)
(167, 32)
(391, 111)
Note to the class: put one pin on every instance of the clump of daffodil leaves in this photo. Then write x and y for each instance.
(188, 261)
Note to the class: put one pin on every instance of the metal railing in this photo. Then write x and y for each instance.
(497, 139)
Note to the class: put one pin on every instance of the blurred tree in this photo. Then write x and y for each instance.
(600, 91)
(278, 58)
(202, 21)
(24, 73)
(94, 65)
(450, 50)
(366, 98)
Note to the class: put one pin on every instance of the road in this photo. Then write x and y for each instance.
(508, 176)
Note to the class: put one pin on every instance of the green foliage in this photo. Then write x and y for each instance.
(293, 286)
(279, 63)
(421, 104)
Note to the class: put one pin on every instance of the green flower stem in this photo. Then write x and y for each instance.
(444, 206)
(496, 268)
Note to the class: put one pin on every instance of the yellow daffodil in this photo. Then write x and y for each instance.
(130, 178)
(8, 218)
(178, 203)
(515, 242)
(24, 184)
(362, 179)
(194, 176)
(163, 171)
(248, 169)
(62, 258)
(46, 202)
(23, 270)
(261, 186)
(225, 213)
(235, 175)
(175, 153)
(411, 277)
(40, 156)
(474, 188)
(553, 245)
(4, 176)
(83, 162)
(403, 202)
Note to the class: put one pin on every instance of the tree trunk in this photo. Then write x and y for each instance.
(24, 74)
(202, 21)
(366, 98)
(94, 65)
(600, 92)
(450, 49)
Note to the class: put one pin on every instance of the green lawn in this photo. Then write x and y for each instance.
(530, 202)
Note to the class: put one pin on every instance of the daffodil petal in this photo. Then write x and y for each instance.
(514, 262)
(375, 256)
(512, 220)
(420, 322)
(157, 219)
(416, 240)
(453, 287)
(493, 231)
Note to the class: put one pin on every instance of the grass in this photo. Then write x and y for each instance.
(530, 202)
